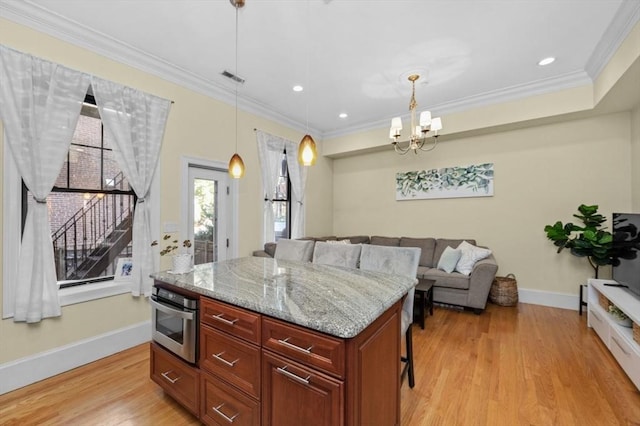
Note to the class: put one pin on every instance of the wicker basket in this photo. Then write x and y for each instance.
(636, 332)
(604, 302)
(504, 291)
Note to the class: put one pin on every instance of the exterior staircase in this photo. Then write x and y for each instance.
(94, 237)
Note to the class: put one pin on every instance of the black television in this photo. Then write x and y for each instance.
(626, 248)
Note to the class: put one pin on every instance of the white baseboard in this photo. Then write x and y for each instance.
(31, 369)
(547, 298)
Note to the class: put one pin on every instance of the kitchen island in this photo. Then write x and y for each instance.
(285, 342)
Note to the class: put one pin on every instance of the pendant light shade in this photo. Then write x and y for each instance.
(307, 153)
(236, 166)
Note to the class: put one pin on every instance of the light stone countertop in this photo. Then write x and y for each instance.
(338, 301)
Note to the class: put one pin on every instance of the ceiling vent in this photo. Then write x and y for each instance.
(233, 77)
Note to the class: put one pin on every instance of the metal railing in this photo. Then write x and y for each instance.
(84, 239)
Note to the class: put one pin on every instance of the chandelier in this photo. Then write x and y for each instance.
(419, 133)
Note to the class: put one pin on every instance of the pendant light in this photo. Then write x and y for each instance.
(307, 152)
(236, 165)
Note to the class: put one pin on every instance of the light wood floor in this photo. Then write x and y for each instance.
(529, 365)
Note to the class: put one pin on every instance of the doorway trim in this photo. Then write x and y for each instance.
(232, 220)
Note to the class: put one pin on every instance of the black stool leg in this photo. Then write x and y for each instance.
(409, 338)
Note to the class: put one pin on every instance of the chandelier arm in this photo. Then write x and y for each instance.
(435, 142)
(399, 150)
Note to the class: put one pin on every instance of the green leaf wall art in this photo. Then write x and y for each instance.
(448, 182)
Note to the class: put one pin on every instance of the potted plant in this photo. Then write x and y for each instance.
(182, 259)
(590, 240)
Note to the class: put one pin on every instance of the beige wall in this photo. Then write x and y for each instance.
(542, 174)
(198, 126)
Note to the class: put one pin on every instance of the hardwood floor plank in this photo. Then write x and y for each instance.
(526, 365)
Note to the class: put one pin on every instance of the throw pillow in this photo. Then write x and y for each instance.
(338, 242)
(470, 255)
(449, 259)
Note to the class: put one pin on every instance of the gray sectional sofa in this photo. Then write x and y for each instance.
(451, 288)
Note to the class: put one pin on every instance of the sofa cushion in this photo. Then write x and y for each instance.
(356, 239)
(442, 243)
(270, 249)
(294, 250)
(444, 279)
(427, 245)
(384, 241)
(470, 255)
(449, 259)
(347, 255)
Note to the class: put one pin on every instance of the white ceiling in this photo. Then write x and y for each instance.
(351, 56)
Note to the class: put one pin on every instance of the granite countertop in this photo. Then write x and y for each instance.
(338, 301)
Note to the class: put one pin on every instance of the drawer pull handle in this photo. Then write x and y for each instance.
(224, 361)
(223, 320)
(223, 415)
(166, 376)
(286, 343)
(620, 346)
(283, 370)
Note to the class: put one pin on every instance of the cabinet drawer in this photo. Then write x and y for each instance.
(296, 395)
(599, 323)
(233, 360)
(223, 405)
(627, 355)
(177, 378)
(238, 322)
(307, 346)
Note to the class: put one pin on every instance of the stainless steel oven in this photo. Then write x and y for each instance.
(174, 320)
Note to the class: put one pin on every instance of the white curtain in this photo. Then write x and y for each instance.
(298, 177)
(136, 122)
(270, 149)
(40, 104)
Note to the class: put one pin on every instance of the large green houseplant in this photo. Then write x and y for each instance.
(589, 240)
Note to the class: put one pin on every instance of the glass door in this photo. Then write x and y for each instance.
(207, 215)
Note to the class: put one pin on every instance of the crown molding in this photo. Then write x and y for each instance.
(36, 17)
(623, 22)
(28, 13)
(540, 87)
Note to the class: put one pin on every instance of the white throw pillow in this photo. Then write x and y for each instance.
(338, 241)
(470, 255)
(449, 259)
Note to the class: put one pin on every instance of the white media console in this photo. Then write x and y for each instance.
(617, 338)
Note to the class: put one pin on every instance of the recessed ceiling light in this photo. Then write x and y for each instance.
(343, 115)
(298, 88)
(546, 61)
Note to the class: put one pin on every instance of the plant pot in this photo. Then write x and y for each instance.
(182, 263)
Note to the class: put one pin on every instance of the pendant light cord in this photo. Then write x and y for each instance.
(307, 70)
(236, 6)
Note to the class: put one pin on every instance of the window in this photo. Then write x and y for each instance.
(282, 202)
(90, 207)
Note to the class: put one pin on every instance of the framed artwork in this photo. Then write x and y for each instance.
(448, 182)
(123, 269)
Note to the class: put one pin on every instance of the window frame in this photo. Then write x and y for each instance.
(12, 232)
(287, 199)
(89, 99)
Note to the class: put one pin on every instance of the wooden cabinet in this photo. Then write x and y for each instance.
(297, 395)
(176, 377)
(255, 370)
(222, 404)
(230, 362)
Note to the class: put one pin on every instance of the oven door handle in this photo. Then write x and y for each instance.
(171, 310)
